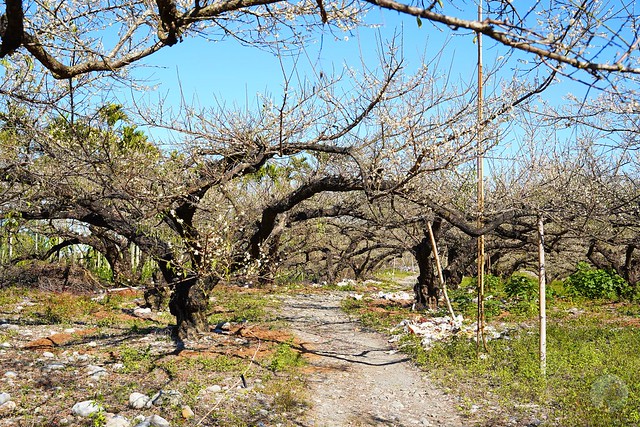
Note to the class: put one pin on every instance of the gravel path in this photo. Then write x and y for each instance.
(357, 379)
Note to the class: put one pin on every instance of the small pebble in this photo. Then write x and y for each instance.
(187, 412)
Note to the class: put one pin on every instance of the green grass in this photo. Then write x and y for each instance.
(284, 358)
(590, 365)
(593, 356)
(240, 305)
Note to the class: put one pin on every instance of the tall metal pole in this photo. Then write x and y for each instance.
(480, 194)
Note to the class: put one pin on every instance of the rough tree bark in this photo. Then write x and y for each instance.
(188, 303)
(426, 289)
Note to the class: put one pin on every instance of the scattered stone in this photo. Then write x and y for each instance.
(138, 400)
(154, 421)
(169, 397)
(214, 389)
(394, 296)
(118, 366)
(48, 355)
(187, 412)
(7, 407)
(139, 418)
(223, 328)
(54, 366)
(86, 408)
(117, 421)
(143, 313)
(10, 374)
(346, 282)
(6, 345)
(4, 397)
(9, 326)
(96, 372)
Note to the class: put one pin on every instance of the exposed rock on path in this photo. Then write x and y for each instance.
(357, 378)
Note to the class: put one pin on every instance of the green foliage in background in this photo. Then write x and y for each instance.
(593, 283)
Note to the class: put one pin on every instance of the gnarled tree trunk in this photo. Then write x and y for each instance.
(188, 303)
(426, 289)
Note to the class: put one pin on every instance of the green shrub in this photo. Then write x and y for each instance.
(285, 357)
(522, 288)
(597, 283)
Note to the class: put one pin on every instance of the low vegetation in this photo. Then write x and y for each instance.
(593, 343)
(247, 372)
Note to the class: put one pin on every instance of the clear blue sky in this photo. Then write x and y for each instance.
(235, 74)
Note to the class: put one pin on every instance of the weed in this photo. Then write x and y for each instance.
(220, 363)
(11, 295)
(98, 419)
(522, 288)
(135, 359)
(287, 393)
(580, 353)
(596, 283)
(285, 358)
(240, 305)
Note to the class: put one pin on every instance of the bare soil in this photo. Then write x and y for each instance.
(356, 377)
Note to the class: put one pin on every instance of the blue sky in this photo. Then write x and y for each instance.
(235, 73)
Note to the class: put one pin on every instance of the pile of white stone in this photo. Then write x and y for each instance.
(434, 329)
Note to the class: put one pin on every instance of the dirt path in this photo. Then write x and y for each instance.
(357, 379)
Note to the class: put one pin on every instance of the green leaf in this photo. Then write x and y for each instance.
(440, 3)
(419, 21)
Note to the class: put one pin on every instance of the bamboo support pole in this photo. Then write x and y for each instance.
(441, 277)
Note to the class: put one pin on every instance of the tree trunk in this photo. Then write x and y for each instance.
(426, 290)
(156, 294)
(188, 304)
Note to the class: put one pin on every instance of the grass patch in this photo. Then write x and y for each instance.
(234, 304)
(377, 315)
(285, 358)
(135, 359)
(590, 375)
(593, 353)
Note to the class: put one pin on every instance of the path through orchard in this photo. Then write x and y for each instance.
(356, 377)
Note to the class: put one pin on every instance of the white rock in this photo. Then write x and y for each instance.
(214, 389)
(346, 282)
(138, 400)
(118, 366)
(96, 372)
(7, 407)
(5, 345)
(4, 397)
(157, 421)
(169, 397)
(86, 408)
(117, 421)
(48, 355)
(10, 374)
(144, 313)
(139, 418)
(54, 366)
